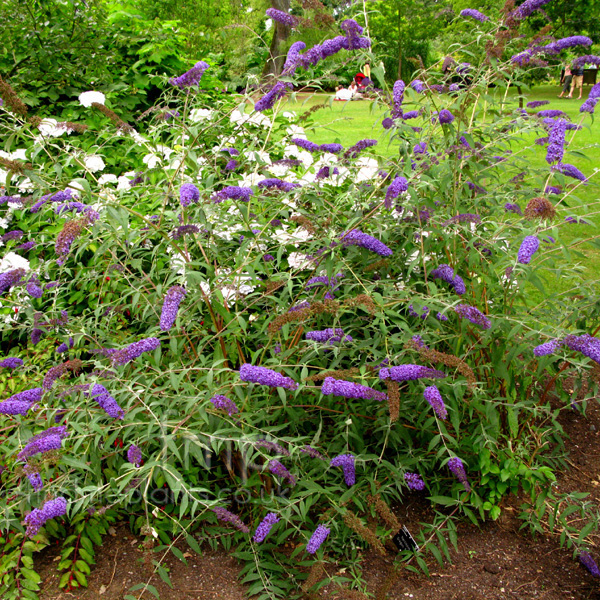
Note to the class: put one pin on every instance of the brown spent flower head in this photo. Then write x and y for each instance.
(354, 523)
(15, 166)
(304, 222)
(273, 286)
(363, 300)
(388, 582)
(393, 399)
(384, 511)
(299, 316)
(304, 116)
(337, 374)
(540, 208)
(446, 359)
(70, 125)
(322, 18)
(11, 99)
(70, 231)
(494, 50)
(35, 120)
(114, 117)
(510, 21)
(378, 264)
(315, 575)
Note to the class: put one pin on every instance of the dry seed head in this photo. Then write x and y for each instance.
(11, 99)
(354, 523)
(363, 300)
(304, 222)
(393, 399)
(378, 264)
(540, 208)
(446, 359)
(15, 166)
(316, 574)
(114, 117)
(384, 511)
(339, 374)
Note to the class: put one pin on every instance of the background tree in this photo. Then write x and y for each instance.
(403, 30)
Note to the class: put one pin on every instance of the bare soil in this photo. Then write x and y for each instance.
(497, 561)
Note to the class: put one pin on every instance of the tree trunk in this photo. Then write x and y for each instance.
(281, 32)
(399, 44)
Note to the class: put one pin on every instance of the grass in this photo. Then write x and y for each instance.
(348, 122)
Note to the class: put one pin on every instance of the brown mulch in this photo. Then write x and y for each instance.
(497, 561)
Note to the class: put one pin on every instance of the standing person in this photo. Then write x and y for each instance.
(577, 81)
(566, 78)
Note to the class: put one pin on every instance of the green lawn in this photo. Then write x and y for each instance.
(349, 122)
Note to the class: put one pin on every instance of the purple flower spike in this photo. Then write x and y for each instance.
(282, 17)
(528, 248)
(134, 455)
(131, 352)
(464, 311)
(284, 186)
(265, 376)
(414, 481)
(547, 348)
(170, 307)
(20, 403)
(47, 444)
(38, 516)
(398, 97)
(457, 467)
(190, 78)
(410, 372)
(9, 279)
(279, 90)
(586, 344)
(100, 394)
(328, 336)
(188, 194)
(228, 517)
(434, 398)
(11, 363)
(348, 389)
(280, 471)
(418, 86)
(358, 238)
(445, 116)
(537, 103)
(233, 192)
(224, 403)
(263, 530)
(317, 538)
(570, 171)
(397, 187)
(346, 461)
(35, 480)
(585, 558)
(474, 14)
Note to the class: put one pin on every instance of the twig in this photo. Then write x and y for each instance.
(114, 569)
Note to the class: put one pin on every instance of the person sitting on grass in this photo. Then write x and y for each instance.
(351, 93)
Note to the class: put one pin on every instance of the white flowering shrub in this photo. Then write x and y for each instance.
(215, 322)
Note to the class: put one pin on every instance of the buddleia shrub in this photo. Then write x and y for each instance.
(256, 332)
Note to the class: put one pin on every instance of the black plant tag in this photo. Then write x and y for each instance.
(405, 541)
